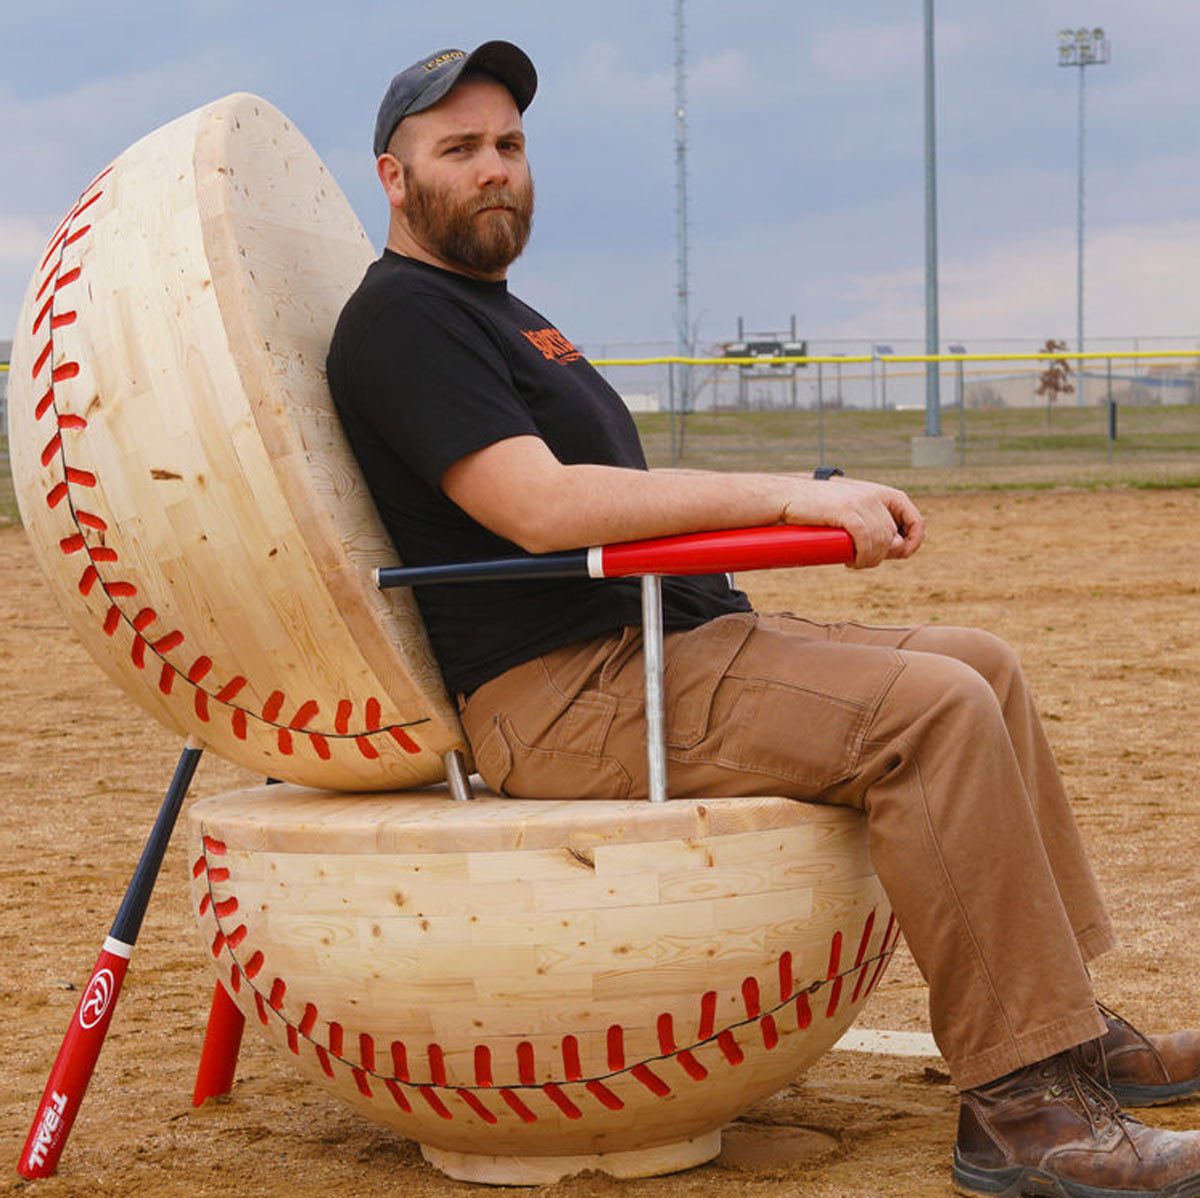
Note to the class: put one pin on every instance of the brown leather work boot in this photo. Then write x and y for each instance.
(1144, 1070)
(1053, 1129)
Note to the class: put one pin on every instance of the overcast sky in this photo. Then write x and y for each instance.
(806, 141)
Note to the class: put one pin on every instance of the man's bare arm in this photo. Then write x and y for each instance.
(521, 491)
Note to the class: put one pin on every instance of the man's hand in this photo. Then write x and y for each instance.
(882, 521)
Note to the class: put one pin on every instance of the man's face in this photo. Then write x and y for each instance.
(468, 193)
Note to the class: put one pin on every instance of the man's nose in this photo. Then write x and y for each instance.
(493, 169)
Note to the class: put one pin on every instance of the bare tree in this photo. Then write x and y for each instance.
(1055, 380)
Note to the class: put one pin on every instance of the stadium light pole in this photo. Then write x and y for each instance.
(933, 408)
(683, 331)
(1081, 48)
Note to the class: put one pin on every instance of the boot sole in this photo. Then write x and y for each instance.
(1141, 1096)
(1018, 1180)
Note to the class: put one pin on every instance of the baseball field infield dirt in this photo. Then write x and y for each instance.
(1098, 590)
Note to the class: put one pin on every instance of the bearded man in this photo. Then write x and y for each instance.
(481, 430)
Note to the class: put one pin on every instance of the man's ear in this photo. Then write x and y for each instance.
(391, 176)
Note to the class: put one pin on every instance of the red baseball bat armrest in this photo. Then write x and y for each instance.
(720, 552)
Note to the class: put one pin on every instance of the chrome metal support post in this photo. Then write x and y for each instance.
(456, 776)
(652, 645)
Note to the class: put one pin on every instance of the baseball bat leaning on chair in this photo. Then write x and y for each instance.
(81, 1045)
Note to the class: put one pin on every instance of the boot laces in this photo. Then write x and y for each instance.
(1097, 1101)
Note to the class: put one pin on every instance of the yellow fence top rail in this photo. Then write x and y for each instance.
(853, 359)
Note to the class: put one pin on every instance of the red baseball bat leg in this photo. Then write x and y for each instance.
(76, 1059)
(222, 1043)
(85, 1037)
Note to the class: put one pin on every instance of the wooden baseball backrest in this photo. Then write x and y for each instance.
(181, 471)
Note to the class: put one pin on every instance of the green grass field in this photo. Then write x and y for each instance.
(1010, 447)
(1006, 448)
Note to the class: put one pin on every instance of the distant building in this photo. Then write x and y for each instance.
(642, 401)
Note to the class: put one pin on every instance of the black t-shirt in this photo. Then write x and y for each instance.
(427, 366)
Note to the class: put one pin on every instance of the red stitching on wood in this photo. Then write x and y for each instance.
(400, 1060)
(309, 1019)
(770, 1033)
(372, 715)
(341, 721)
(235, 979)
(121, 590)
(405, 741)
(308, 709)
(726, 1041)
(517, 1107)
(41, 360)
(102, 553)
(708, 1015)
(616, 1048)
(262, 1010)
(435, 1103)
(561, 1101)
(570, 1056)
(360, 1080)
(91, 520)
(227, 693)
(365, 747)
(68, 370)
(437, 1064)
(603, 1095)
(200, 706)
(112, 619)
(199, 668)
(198, 867)
(750, 997)
(730, 1048)
(483, 1065)
(366, 1051)
(215, 847)
(283, 740)
(43, 404)
(293, 1039)
(272, 705)
(803, 1012)
(473, 1102)
(218, 944)
(205, 903)
(786, 984)
(526, 1067)
(666, 1033)
(833, 974)
(321, 745)
(323, 1059)
(655, 1084)
(397, 1093)
(45, 310)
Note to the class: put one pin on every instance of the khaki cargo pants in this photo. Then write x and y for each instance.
(929, 731)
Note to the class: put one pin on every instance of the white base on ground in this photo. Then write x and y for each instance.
(896, 1044)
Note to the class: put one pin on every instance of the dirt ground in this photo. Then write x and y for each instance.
(1100, 592)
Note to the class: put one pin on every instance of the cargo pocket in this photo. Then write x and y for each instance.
(513, 768)
(694, 670)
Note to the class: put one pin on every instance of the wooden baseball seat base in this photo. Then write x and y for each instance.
(533, 988)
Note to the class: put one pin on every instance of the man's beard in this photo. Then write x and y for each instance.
(483, 245)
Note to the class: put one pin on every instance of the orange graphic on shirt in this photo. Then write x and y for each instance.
(552, 345)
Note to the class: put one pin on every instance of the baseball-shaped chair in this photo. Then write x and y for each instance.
(527, 988)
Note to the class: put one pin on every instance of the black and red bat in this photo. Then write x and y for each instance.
(81, 1045)
(726, 550)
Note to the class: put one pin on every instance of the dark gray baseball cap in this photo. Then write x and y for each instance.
(423, 84)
